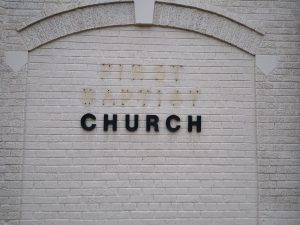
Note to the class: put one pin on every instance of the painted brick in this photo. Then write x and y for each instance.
(136, 184)
(212, 182)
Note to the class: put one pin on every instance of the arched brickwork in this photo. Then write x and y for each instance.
(96, 16)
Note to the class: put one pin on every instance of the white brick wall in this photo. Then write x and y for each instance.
(277, 103)
(164, 178)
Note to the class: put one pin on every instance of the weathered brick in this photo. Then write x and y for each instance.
(126, 179)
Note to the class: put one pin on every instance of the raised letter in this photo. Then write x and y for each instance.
(136, 123)
(112, 122)
(152, 120)
(168, 123)
(192, 123)
(84, 119)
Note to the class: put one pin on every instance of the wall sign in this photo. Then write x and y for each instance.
(194, 123)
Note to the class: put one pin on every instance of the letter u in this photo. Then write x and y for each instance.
(136, 123)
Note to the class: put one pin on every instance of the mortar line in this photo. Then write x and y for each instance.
(24, 140)
(256, 143)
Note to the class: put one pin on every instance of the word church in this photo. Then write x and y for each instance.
(151, 122)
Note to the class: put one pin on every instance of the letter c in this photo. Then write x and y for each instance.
(84, 119)
(168, 123)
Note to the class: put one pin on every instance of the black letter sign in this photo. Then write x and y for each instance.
(84, 119)
(168, 123)
(136, 123)
(192, 123)
(112, 122)
(152, 120)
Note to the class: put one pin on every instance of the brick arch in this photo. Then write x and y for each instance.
(95, 16)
